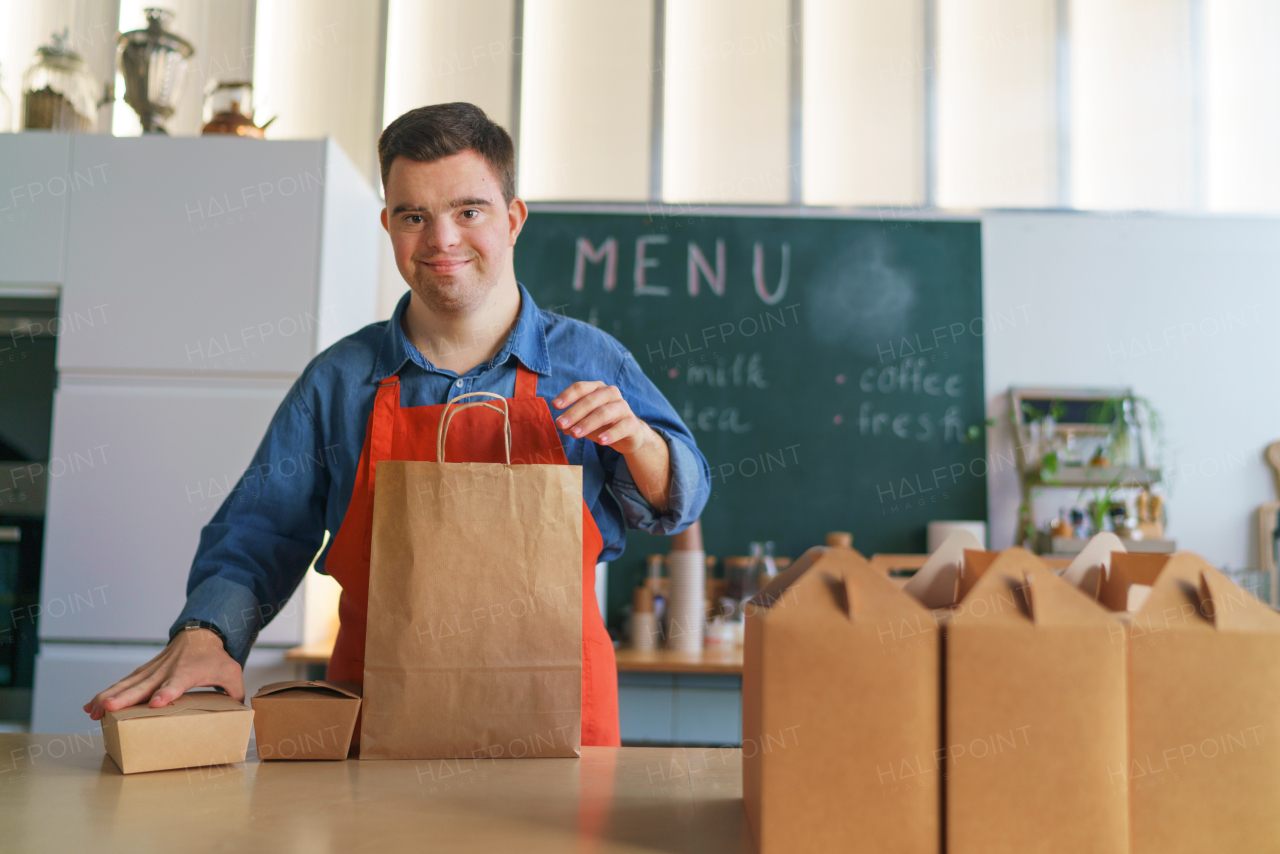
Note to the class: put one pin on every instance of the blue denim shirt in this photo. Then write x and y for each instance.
(256, 549)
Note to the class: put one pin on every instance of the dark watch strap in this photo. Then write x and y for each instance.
(202, 624)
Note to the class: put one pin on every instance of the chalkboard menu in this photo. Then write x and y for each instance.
(830, 368)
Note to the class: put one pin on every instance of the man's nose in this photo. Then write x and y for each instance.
(443, 233)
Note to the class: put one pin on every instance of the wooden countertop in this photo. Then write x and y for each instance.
(311, 653)
(629, 660)
(670, 661)
(62, 793)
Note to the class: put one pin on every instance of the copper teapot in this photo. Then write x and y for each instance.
(228, 109)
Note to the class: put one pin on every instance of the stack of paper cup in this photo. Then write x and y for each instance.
(644, 622)
(687, 608)
(644, 631)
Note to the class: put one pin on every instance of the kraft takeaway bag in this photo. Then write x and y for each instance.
(474, 640)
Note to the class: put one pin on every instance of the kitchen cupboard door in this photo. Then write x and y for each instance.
(201, 255)
(137, 470)
(646, 707)
(35, 184)
(350, 239)
(708, 709)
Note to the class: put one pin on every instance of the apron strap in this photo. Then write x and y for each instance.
(382, 432)
(526, 382)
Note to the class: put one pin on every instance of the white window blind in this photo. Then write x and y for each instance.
(997, 131)
(585, 101)
(1242, 65)
(1133, 139)
(864, 71)
(450, 50)
(726, 101)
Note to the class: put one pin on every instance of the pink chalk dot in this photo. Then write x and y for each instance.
(839, 419)
(840, 378)
(673, 373)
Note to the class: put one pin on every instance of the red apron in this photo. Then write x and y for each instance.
(409, 433)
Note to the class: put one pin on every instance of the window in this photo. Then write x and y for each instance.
(726, 87)
(864, 79)
(585, 103)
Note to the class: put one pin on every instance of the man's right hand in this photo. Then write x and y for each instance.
(195, 658)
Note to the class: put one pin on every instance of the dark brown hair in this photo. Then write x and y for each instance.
(440, 130)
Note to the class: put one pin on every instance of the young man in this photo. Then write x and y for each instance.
(466, 325)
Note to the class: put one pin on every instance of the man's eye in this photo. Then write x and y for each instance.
(471, 213)
(413, 219)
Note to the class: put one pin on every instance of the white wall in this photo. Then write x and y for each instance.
(1183, 309)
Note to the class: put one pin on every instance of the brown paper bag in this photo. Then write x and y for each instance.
(474, 642)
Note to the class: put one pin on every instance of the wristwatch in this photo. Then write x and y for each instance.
(202, 624)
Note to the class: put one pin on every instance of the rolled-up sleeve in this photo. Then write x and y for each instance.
(254, 552)
(690, 475)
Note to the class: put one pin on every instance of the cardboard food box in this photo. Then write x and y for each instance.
(840, 712)
(305, 720)
(1204, 700)
(1034, 713)
(936, 583)
(199, 728)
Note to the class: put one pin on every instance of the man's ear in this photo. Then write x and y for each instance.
(517, 214)
(384, 221)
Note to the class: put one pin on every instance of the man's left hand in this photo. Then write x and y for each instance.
(597, 412)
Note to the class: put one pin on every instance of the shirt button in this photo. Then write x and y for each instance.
(458, 383)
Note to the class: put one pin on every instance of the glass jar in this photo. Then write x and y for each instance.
(769, 567)
(739, 586)
(58, 94)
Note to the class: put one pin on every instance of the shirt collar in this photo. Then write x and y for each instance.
(527, 342)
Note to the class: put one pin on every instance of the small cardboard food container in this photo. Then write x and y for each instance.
(306, 720)
(1034, 713)
(840, 711)
(1204, 689)
(199, 728)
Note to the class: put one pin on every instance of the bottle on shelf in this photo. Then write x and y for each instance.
(653, 581)
(739, 587)
(770, 569)
(757, 574)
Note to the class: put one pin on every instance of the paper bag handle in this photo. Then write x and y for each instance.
(447, 416)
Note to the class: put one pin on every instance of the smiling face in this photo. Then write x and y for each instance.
(451, 230)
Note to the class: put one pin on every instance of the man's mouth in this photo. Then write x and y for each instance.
(446, 265)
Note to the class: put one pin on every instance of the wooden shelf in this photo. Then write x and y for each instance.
(670, 661)
(1082, 476)
(311, 653)
(1069, 547)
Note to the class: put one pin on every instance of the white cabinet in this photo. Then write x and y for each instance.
(135, 472)
(35, 185)
(203, 255)
(197, 277)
